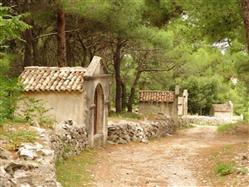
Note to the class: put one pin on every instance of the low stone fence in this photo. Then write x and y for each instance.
(208, 120)
(123, 132)
(68, 139)
(34, 164)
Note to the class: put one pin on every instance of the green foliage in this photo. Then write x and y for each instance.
(216, 20)
(9, 95)
(202, 94)
(10, 26)
(224, 168)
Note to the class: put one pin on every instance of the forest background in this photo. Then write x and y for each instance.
(201, 45)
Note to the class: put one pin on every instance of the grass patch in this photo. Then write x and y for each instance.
(125, 115)
(224, 128)
(74, 172)
(234, 128)
(16, 134)
(224, 168)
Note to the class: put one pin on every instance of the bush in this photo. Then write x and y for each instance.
(10, 93)
(223, 168)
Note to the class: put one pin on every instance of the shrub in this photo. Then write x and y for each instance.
(223, 168)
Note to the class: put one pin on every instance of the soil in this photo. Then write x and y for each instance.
(170, 161)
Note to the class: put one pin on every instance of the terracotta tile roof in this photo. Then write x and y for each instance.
(156, 96)
(222, 107)
(35, 78)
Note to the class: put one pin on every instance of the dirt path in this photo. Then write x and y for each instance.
(166, 161)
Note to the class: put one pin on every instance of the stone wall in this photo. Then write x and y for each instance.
(34, 164)
(208, 120)
(123, 132)
(68, 139)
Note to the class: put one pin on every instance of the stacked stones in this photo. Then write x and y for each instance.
(125, 131)
(205, 120)
(34, 163)
(31, 165)
(68, 139)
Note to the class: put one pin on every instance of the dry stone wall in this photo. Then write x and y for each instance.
(68, 139)
(34, 164)
(123, 132)
(208, 120)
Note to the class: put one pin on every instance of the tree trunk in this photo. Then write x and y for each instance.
(117, 61)
(245, 15)
(28, 37)
(124, 103)
(133, 91)
(61, 39)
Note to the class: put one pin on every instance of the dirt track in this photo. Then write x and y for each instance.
(166, 161)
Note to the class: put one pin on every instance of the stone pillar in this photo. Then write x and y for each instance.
(177, 99)
(185, 102)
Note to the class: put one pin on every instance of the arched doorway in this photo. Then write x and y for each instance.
(98, 110)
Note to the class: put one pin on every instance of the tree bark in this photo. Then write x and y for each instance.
(61, 39)
(124, 103)
(117, 61)
(28, 36)
(245, 15)
(133, 91)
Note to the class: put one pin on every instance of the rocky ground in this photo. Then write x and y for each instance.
(177, 160)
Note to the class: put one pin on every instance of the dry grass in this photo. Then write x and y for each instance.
(12, 135)
(240, 128)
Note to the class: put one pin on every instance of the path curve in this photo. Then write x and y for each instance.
(166, 161)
